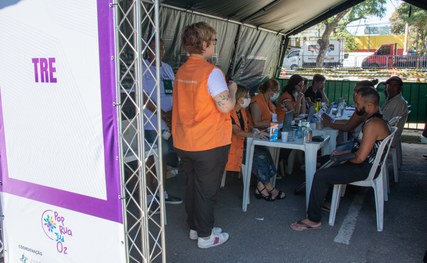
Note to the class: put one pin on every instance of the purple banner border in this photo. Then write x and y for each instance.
(110, 209)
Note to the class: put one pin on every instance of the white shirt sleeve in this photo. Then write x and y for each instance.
(216, 83)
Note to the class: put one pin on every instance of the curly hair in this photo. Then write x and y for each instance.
(194, 35)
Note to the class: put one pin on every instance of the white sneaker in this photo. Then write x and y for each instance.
(193, 233)
(213, 241)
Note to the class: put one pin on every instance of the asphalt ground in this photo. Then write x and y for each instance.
(262, 234)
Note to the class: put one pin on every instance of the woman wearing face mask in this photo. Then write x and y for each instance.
(292, 98)
(263, 166)
(262, 107)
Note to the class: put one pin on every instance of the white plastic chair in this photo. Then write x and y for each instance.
(225, 175)
(393, 152)
(378, 167)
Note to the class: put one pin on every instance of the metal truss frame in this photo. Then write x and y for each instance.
(136, 25)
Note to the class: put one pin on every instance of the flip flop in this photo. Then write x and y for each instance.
(301, 226)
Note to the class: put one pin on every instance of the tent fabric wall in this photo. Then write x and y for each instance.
(172, 22)
(256, 52)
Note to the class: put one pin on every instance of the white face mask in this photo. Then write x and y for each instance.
(246, 102)
(275, 96)
(295, 95)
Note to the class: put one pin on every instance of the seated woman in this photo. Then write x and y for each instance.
(292, 98)
(263, 167)
(262, 107)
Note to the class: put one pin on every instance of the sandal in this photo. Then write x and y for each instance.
(279, 196)
(259, 195)
(301, 226)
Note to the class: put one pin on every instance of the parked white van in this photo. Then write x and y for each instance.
(306, 56)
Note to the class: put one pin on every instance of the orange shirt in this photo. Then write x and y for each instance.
(266, 110)
(281, 108)
(235, 156)
(197, 125)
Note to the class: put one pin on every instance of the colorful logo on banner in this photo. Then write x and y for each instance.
(23, 259)
(56, 229)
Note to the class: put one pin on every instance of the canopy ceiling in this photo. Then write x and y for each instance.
(282, 16)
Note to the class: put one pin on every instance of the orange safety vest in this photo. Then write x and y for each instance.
(266, 110)
(197, 124)
(281, 111)
(235, 156)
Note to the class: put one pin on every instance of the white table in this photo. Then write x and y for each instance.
(310, 150)
(332, 144)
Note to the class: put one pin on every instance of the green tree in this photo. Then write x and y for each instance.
(417, 23)
(360, 11)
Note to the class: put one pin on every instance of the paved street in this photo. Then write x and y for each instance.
(262, 234)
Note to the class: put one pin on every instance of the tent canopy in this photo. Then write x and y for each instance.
(282, 16)
(252, 35)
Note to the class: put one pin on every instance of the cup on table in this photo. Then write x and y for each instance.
(285, 136)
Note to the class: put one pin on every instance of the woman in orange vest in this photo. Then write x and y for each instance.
(201, 129)
(292, 97)
(262, 107)
(263, 165)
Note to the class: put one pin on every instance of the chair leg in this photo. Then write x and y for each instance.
(343, 188)
(379, 202)
(291, 161)
(399, 153)
(334, 203)
(395, 161)
(386, 182)
(223, 179)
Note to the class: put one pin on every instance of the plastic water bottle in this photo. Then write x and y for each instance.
(298, 133)
(341, 107)
(308, 134)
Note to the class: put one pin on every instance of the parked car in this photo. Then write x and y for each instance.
(391, 56)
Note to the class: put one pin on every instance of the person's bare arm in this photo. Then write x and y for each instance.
(236, 131)
(309, 101)
(300, 105)
(256, 116)
(324, 97)
(166, 116)
(226, 100)
(347, 126)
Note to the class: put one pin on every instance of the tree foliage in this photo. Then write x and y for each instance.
(337, 23)
(417, 23)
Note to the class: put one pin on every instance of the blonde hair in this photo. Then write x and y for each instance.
(269, 84)
(194, 35)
